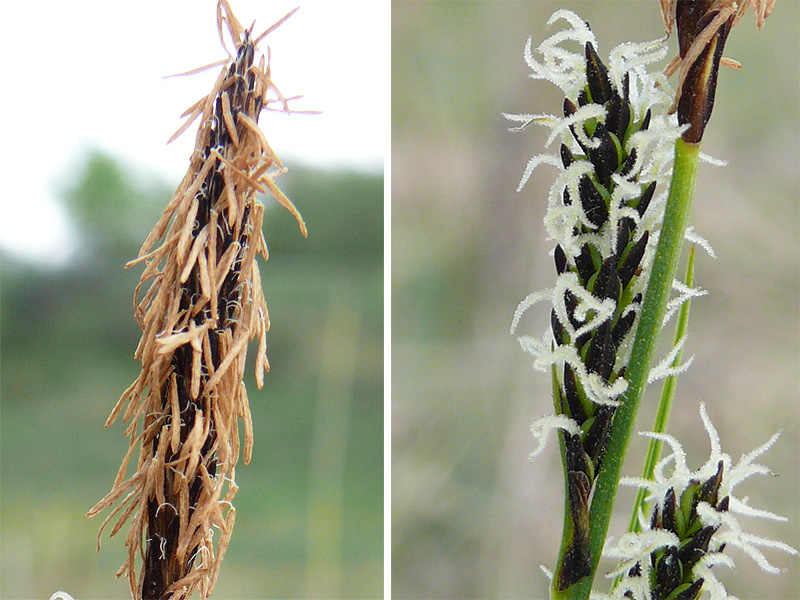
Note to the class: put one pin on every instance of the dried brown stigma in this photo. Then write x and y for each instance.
(203, 304)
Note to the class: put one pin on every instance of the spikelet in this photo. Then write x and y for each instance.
(203, 305)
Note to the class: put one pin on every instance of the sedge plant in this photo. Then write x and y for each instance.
(203, 304)
(618, 214)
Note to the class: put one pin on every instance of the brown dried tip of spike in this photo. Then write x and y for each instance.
(703, 26)
(762, 9)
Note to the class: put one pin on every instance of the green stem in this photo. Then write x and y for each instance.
(659, 286)
(664, 404)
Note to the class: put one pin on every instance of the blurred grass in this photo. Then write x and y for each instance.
(471, 517)
(68, 338)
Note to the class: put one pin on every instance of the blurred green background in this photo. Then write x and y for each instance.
(471, 516)
(309, 511)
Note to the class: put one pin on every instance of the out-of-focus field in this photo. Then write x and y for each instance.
(309, 511)
(471, 516)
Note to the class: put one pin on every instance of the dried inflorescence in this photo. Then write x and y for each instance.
(703, 27)
(203, 305)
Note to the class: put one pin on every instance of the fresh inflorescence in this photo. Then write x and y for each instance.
(604, 217)
(694, 518)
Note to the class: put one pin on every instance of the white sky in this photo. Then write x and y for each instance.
(88, 74)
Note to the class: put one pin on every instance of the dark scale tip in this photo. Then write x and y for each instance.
(668, 516)
(570, 303)
(585, 264)
(624, 228)
(566, 200)
(569, 107)
(572, 396)
(619, 116)
(566, 156)
(577, 459)
(597, 76)
(560, 259)
(668, 570)
(631, 263)
(646, 121)
(722, 505)
(710, 489)
(626, 84)
(558, 329)
(597, 437)
(644, 201)
(655, 518)
(697, 546)
(627, 166)
(622, 328)
(692, 592)
(635, 570)
(592, 202)
(602, 353)
(607, 284)
(604, 157)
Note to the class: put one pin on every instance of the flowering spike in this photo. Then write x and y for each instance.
(703, 524)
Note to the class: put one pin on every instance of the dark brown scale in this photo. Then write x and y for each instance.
(693, 591)
(622, 328)
(597, 436)
(627, 166)
(632, 261)
(668, 571)
(573, 400)
(607, 284)
(585, 264)
(559, 332)
(592, 202)
(601, 353)
(566, 156)
(710, 489)
(597, 76)
(604, 157)
(646, 121)
(697, 546)
(619, 116)
(669, 519)
(625, 227)
(560, 260)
